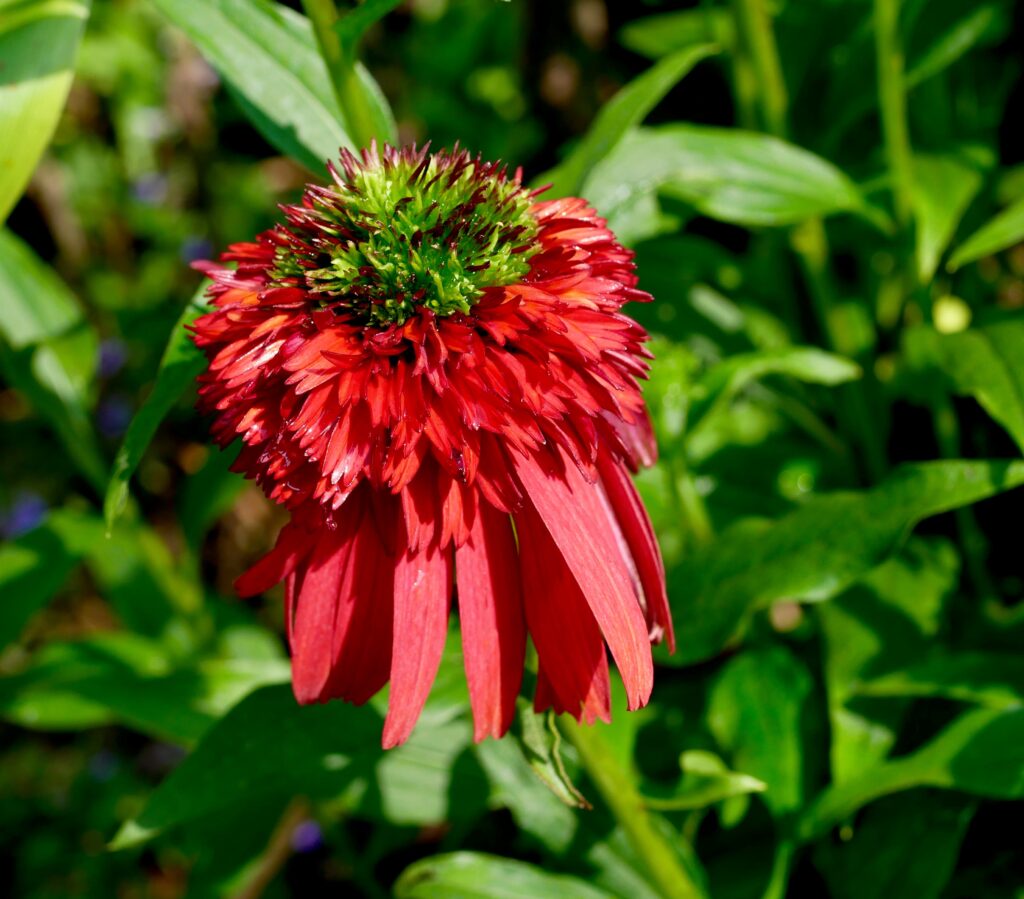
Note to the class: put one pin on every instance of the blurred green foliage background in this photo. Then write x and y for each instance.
(827, 201)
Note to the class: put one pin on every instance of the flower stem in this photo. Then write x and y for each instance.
(616, 787)
(892, 102)
(359, 118)
(809, 241)
(755, 30)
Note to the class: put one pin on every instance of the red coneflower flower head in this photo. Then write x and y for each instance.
(430, 369)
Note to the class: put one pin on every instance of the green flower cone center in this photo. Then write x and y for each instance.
(407, 233)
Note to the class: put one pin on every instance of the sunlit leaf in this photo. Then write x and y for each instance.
(269, 744)
(890, 619)
(978, 753)
(1003, 231)
(758, 710)
(735, 176)
(475, 875)
(987, 678)
(985, 362)
(267, 55)
(661, 35)
(706, 780)
(38, 45)
(948, 44)
(627, 108)
(720, 384)
(815, 552)
(943, 189)
(541, 744)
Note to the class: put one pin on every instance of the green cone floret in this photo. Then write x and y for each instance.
(405, 230)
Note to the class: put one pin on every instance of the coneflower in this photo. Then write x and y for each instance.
(431, 370)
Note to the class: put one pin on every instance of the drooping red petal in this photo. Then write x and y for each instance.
(316, 601)
(491, 617)
(422, 597)
(292, 544)
(573, 663)
(639, 535)
(363, 629)
(576, 519)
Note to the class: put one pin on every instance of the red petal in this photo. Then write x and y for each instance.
(292, 543)
(316, 604)
(576, 517)
(422, 595)
(643, 545)
(361, 658)
(573, 663)
(491, 615)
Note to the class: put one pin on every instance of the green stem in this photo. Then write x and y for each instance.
(892, 101)
(809, 242)
(755, 30)
(691, 504)
(972, 538)
(355, 106)
(661, 861)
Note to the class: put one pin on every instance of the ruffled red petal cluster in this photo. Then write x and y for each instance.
(484, 454)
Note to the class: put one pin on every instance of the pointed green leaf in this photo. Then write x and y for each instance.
(661, 35)
(731, 175)
(626, 109)
(179, 366)
(267, 55)
(38, 45)
(268, 744)
(943, 189)
(987, 363)
(818, 550)
(706, 780)
(988, 678)
(475, 875)
(1005, 230)
(978, 753)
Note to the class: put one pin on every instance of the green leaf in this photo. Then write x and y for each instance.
(943, 189)
(269, 744)
(179, 366)
(987, 678)
(661, 35)
(720, 384)
(903, 846)
(355, 22)
(1005, 230)
(267, 55)
(706, 780)
(986, 363)
(731, 175)
(952, 43)
(541, 743)
(48, 351)
(888, 620)
(757, 709)
(534, 805)
(978, 753)
(32, 569)
(38, 45)
(816, 551)
(626, 109)
(476, 875)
